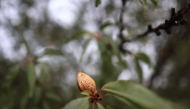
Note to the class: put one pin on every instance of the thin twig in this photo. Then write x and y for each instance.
(176, 19)
(121, 28)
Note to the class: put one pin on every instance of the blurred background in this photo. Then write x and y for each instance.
(44, 43)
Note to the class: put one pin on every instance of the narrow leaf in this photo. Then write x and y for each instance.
(79, 103)
(52, 52)
(46, 105)
(24, 41)
(97, 3)
(86, 92)
(31, 78)
(124, 101)
(24, 99)
(37, 94)
(155, 2)
(112, 107)
(79, 34)
(53, 96)
(139, 70)
(76, 36)
(85, 47)
(143, 57)
(13, 72)
(145, 6)
(116, 51)
(137, 94)
(100, 106)
(45, 75)
(103, 26)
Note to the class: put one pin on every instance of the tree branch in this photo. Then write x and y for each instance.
(121, 28)
(176, 19)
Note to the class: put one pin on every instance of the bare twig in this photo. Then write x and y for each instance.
(175, 20)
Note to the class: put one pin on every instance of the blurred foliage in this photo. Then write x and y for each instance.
(40, 55)
(132, 94)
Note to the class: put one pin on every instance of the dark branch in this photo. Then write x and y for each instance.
(121, 28)
(175, 20)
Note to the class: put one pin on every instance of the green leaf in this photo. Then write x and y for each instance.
(52, 52)
(86, 92)
(45, 75)
(144, 58)
(24, 41)
(145, 6)
(78, 35)
(13, 73)
(97, 2)
(100, 106)
(155, 2)
(46, 105)
(53, 96)
(123, 64)
(103, 26)
(139, 70)
(129, 104)
(137, 95)
(31, 78)
(37, 94)
(116, 51)
(112, 107)
(24, 99)
(79, 103)
(85, 47)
